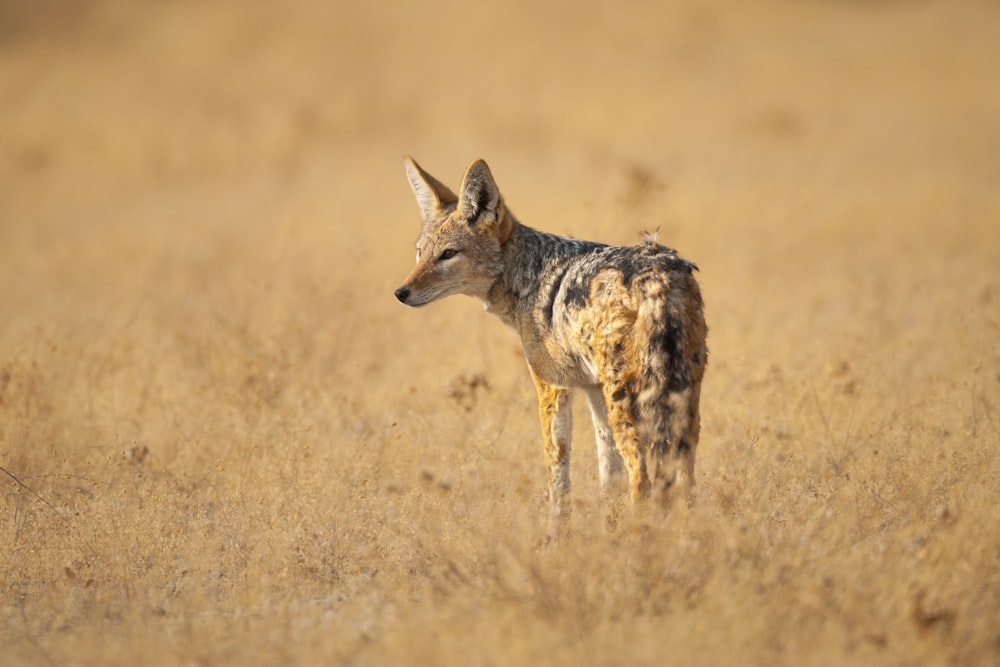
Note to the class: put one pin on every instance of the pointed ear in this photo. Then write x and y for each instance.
(432, 195)
(479, 194)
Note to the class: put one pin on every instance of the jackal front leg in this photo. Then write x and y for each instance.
(556, 415)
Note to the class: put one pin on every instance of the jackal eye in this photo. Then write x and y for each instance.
(447, 254)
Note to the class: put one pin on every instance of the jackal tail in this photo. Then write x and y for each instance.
(670, 329)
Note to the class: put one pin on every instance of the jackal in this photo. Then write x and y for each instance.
(624, 324)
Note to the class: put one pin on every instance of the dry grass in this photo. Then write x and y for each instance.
(222, 441)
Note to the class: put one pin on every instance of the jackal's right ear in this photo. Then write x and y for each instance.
(479, 193)
(432, 195)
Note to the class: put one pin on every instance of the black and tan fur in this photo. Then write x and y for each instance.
(623, 324)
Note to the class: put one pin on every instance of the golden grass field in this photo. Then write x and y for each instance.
(223, 441)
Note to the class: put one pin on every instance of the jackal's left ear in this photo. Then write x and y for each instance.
(480, 197)
(432, 195)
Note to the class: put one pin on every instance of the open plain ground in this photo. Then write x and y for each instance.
(223, 441)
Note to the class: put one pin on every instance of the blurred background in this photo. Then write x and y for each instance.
(192, 143)
(180, 157)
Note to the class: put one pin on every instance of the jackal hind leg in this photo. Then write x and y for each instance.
(674, 484)
(689, 444)
(555, 413)
(610, 467)
(621, 410)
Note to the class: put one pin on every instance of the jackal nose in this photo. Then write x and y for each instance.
(402, 294)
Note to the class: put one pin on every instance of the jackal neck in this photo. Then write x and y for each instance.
(525, 257)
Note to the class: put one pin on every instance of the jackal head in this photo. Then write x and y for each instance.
(459, 250)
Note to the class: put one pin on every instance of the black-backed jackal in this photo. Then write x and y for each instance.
(624, 324)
